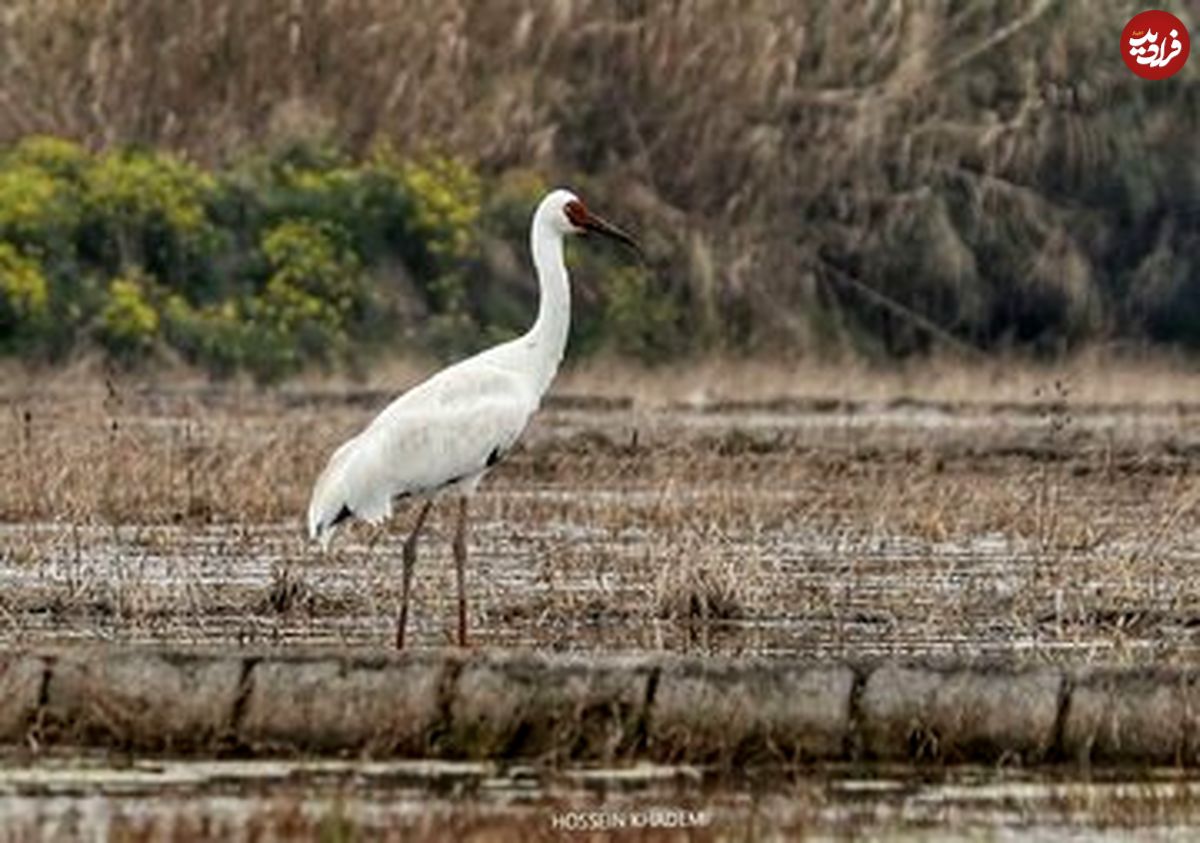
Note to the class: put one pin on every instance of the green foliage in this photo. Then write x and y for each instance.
(510, 203)
(40, 194)
(637, 319)
(128, 321)
(283, 260)
(446, 196)
(36, 208)
(452, 330)
(141, 189)
(41, 215)
(61, 158)
(215, 335)
(24, 297)
(148, 210)
(309, 299)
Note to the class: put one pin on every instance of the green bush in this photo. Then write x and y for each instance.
(283, 260)
(61, 158)
(36, 208)
(128, 320)
(24, 298)
(215, 336)
(41, 213)
(311, 295)
(446, 196)
(637, 319)
(140, 189)
(149, 210)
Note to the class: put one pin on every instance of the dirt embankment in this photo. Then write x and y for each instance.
(593, 709)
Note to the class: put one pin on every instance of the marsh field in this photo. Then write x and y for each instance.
(906, 373)
(949, 512)
(956, 513)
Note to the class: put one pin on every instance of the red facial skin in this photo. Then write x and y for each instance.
(577, 214)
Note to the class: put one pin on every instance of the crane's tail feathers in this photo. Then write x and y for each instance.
(322, 528)
(320, 532)
(342, 492)
(323, 535)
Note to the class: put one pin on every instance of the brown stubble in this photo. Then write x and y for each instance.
(1057, 528)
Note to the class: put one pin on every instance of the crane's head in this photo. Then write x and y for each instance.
(568, 215)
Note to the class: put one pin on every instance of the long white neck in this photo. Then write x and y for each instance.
(547, 339)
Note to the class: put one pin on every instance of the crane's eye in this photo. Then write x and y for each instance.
(576, 213)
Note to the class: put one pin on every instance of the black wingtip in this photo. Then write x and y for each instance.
(344, 513)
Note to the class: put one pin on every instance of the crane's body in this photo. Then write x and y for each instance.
(440, 436)
(443, 435)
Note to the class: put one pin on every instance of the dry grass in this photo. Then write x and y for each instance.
(977, 163)
(1095, 376)
(1090, 377)
(1054, 523)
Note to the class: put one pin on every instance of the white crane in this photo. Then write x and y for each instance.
(441, 436)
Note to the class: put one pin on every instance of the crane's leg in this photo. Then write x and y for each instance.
(460, 565)
(410, 560)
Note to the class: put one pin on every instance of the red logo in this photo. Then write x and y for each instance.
(1155, 45)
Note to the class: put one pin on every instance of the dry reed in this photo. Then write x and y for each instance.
(812, 172)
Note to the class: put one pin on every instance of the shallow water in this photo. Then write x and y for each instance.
(91, 798)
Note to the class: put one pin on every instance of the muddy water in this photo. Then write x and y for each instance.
(92, 799)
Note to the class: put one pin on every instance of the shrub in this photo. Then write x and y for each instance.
(639, 320)
(215, 336)
(313, 274)
(36, 207)
(148, 210)
(128, 321)
(446, 195)
(24, 297)
(142, 189)
(309, 301)
(285, 259)
(60, 158)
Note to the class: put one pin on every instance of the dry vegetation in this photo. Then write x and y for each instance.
(865, 180)
(806, 174)
(1049, 524)
(1005, 512)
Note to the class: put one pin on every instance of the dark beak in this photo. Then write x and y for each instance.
(603, 226)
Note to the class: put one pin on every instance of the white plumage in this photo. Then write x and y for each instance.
(445, 433)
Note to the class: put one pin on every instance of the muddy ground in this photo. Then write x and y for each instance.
(1043, 530)
(1048, 528)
